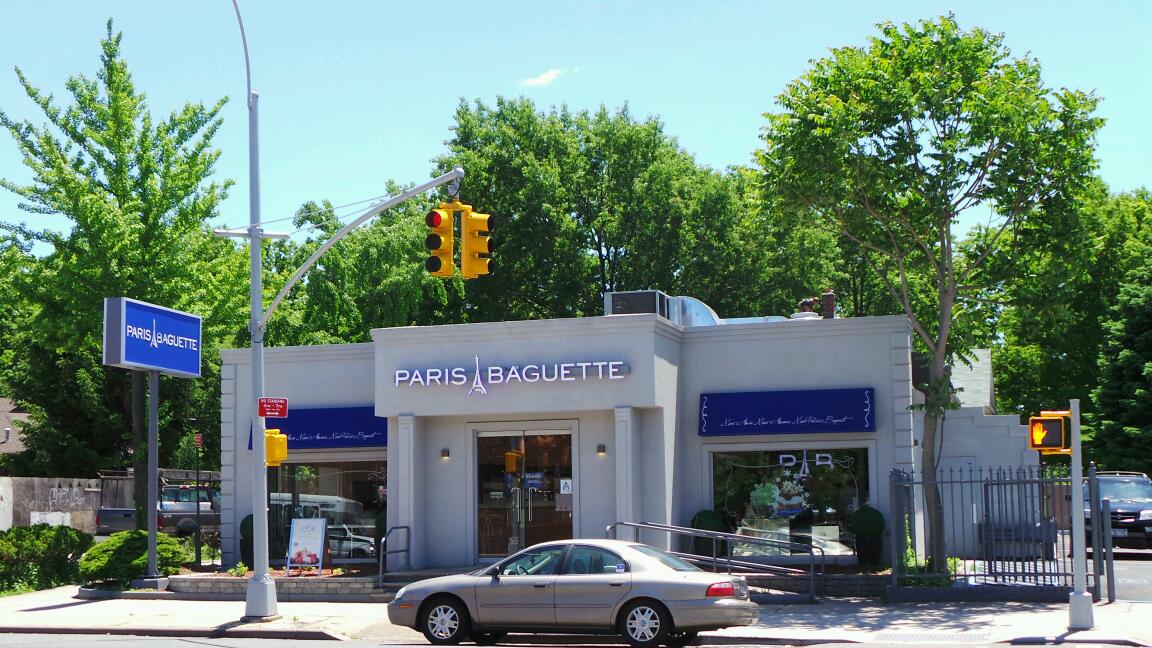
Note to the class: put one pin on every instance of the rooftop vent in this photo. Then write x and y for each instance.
(685, 311)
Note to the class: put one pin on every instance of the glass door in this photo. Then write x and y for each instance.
(525, 486)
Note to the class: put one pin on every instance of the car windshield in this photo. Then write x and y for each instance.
(1126, 490)
(666, 559)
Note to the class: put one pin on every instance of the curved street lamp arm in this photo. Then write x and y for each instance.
(455, 175)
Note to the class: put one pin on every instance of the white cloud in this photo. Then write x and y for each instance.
(544, 79)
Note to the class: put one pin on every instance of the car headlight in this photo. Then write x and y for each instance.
(1146, 514)
(400, 594)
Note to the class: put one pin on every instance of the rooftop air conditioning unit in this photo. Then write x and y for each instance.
(636, 301)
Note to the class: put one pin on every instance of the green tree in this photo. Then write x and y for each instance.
(1123, 436)
(1057, 291)
(587, 203)
(138, 194)
(894, 141)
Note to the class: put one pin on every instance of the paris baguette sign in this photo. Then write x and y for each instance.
(147, 337)
(482, 378)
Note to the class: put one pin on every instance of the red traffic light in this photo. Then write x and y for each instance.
(434, 218)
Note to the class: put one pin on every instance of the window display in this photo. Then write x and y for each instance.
(802, 496)
(351, 495)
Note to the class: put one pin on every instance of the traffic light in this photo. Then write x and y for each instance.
(475, 244)
(1046, 433)
(439, 242)
(275, 447)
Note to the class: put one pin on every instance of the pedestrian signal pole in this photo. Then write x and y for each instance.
(1079, 601)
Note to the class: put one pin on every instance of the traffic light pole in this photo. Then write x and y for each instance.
(1079, 601)
(260, 601)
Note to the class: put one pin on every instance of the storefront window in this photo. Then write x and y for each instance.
(801, 496)
(351, 495)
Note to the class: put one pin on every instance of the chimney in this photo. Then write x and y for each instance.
(828, 304)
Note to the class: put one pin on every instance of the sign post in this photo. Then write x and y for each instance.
(145, 337)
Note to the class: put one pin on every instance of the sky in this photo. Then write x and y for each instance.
(357, 92)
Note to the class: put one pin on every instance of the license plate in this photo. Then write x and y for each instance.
(1119, 533)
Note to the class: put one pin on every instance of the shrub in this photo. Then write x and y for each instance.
(123, 557)
(40, 556)
(866, 521)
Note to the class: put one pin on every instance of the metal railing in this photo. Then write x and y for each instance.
(723, 544)
(383, 551)
(1005, 526)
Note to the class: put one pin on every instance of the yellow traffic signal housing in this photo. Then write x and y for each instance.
(511, 459)
(475, 245)
(439, 241)
(275, 447)
(1046, 433)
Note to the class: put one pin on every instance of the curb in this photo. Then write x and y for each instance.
(212, 633)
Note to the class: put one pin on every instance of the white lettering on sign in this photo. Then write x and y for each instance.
(789, 460)
(156, 338)
(509, 374)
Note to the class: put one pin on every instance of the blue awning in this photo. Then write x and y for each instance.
(332, 427)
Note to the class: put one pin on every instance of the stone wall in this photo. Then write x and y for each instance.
(297, 588)
(829, 585)
(25, 501)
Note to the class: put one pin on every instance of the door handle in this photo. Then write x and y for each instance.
(540, 585)
(616, 584)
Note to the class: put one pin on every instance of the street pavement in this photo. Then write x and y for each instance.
(829, 620)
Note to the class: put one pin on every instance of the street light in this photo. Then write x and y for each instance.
(260, 601)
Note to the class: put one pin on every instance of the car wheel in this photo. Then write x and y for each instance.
(445, 621)
(645, 624)
(487, 638)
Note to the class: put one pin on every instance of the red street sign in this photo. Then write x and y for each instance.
(199, 440)
(273, 407)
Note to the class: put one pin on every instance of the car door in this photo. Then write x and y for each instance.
(591, 584)
(519, 591)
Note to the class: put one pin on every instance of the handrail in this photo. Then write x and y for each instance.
(728, 561)
(383, 551)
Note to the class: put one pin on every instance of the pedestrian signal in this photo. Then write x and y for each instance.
(1046, 433)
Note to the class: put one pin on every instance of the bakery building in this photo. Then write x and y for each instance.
(480, 439)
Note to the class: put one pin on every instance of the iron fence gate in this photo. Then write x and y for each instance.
(1001, 526)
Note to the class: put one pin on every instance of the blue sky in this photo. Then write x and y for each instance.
(355, 93)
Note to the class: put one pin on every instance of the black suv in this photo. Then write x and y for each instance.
(1130, 496)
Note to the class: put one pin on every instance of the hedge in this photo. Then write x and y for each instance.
(123, 558)
(41, 556)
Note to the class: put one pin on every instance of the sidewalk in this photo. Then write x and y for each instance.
(847, 620)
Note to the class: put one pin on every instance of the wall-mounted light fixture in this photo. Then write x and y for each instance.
(445, 454)
(601, 450)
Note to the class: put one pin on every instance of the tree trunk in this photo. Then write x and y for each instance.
(936, 401)
(139, 417)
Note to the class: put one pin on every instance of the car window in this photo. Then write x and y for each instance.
(1126, 490)
(539, 561)
(666, 559)
(593, 560)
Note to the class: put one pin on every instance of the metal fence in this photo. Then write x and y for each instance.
(1001, 526)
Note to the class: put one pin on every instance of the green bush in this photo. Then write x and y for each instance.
(866, 521)
(123, 557)
(40, 556)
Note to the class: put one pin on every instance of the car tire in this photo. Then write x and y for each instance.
(186, 528)
(645, 623)
(487, 638)
(445, 621)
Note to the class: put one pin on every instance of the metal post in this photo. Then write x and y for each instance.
(199, 536)
(152, 572)
(1079, 601)
(261, 596)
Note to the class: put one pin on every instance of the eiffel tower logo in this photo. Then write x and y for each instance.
(477, 383)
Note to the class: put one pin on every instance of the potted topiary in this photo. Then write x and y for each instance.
(867, 525)
(246, 540)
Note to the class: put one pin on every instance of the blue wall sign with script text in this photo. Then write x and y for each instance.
(334, 427)
(788, 412)
(143, 336)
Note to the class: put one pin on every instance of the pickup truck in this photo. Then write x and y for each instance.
(176, 511)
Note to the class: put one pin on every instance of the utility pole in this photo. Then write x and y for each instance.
(260, 601)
